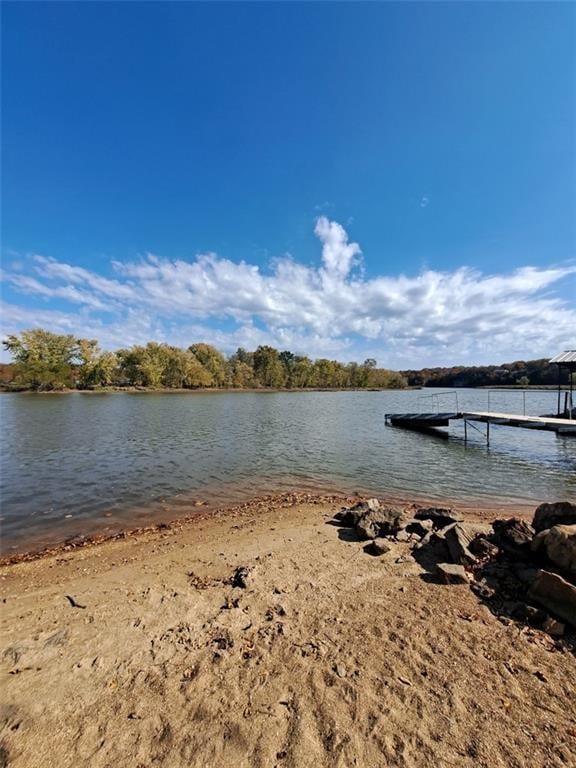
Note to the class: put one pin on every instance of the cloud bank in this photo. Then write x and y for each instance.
(331, 309)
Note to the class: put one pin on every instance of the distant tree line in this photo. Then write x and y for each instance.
(520, 373)
(46, 361)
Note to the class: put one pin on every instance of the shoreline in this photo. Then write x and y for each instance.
(481, 509)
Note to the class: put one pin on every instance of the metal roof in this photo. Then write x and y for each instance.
(568, 356)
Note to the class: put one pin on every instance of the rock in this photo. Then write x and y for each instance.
(340, 670)
(553, 627)
(458, 537)
(440, 533)
(403, 536)
(435, 545)
(241, 577)
(377, 548)
(482, 589)
(453, 574)
(537, 544)
(367, 529)
(351, 516)
(381, 522)
(556, 513)
(439, 516)
(418, 527)
(525, 612)
(513, 535)
(556, 594)
(559, 544)
(483, 547)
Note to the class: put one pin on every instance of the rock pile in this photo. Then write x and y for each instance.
(525, 572)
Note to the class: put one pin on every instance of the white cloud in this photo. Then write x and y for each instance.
(332, 309)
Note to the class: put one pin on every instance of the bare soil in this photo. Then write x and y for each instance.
(141, 652)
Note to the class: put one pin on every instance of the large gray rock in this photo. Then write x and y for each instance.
(555, 594)
(513, 535)
(367, 528)
(556, 513)
(459, 536)
(559, 544)
(381, 522)
(351, 516)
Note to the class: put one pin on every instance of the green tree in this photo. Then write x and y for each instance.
(325, 373)
(240, 375)
(184, 370)
(96, 368)
(302, 372)
(268, 368)
(144, 366)
(213, 361)
(288, 360)
(44, 360)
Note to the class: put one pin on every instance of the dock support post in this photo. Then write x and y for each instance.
(465, 430)
(488, 434)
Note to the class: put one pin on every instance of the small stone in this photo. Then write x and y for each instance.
(483, 589)
(241, 577)
(553, 627)
(377, 548)
(403, 536)
(340, 670)
(453, 573)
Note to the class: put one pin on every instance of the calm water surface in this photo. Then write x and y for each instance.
(72, 464)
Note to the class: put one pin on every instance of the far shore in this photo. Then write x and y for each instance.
(265, 635)
(266, 390)
(197, 390)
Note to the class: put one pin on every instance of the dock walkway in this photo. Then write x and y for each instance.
(443, 419)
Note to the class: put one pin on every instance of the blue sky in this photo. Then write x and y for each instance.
(395, 180)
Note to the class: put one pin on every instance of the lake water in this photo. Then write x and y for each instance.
(78, 463)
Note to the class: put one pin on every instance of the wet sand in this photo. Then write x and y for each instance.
(141, 652)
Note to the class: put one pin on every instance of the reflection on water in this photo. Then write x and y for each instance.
(74, 462)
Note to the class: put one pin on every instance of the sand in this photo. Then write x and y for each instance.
(328, 657)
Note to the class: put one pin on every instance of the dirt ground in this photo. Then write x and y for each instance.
(141, 653)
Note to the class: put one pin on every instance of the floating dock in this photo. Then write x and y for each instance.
(422, 421)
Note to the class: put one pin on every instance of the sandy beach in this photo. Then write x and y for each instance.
(155, 650)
